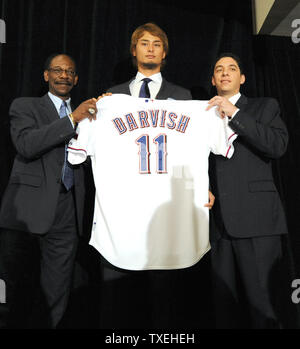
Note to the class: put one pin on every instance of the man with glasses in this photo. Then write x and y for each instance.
(42, 208)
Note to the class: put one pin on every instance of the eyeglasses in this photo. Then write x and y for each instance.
(59, 71)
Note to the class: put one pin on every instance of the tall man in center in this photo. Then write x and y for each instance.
(147, 299)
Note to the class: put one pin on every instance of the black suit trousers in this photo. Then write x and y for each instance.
(248, 282)
(37, 270)
(154, 299)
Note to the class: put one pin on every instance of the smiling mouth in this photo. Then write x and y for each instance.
(63, 83)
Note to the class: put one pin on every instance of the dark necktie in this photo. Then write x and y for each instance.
(67, 174)
(144, 91)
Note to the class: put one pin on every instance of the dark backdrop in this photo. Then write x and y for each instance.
(97, 34)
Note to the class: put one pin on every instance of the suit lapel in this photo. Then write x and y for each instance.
(48, 108)
(241, 101)
(126, 90)
(164, 91)
(49, 111)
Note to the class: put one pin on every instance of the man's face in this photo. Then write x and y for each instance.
(61, 76)
(227, 77)
(149, 51)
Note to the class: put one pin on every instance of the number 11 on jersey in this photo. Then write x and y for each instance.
(161, 153)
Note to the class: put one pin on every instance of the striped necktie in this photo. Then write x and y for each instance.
(67, 173)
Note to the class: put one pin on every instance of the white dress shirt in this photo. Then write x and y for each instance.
(233, 100)
(154, 85)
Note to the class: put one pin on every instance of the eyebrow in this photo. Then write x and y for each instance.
(230, 65)
(58, 66)
(150, 40)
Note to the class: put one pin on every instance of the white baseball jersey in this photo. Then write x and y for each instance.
(150, 167)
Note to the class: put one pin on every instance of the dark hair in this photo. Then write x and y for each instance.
(232, 55)
(51, 57)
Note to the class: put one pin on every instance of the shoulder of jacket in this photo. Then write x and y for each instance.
(180, 91)
(177, 87)
(262, 100)
(119, 87)
(26, 99)
(22, 103)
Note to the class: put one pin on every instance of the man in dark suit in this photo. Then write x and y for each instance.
(248, 217)
(149, 299)
(42, 208)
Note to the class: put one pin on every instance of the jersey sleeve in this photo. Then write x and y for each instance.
(81, 146)
(221, 135)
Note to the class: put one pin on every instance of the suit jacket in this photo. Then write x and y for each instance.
(247, 202)
(167, 90)
(39, 136)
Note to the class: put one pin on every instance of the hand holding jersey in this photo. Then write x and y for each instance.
(224, 106)
(84, 111)
(150, 164)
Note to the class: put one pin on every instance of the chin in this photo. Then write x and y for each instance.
(150, 65)
(63, 93)
(226, 89)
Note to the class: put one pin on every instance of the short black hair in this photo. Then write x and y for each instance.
(232, 55)
(51, 57)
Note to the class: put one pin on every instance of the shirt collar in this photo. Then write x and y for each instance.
(155, 77)
(234, 99)
(57, 102)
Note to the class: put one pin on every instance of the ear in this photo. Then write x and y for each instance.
(213, 81)
(46, 75)
(134, 52)
(76, 80)
(243, 79)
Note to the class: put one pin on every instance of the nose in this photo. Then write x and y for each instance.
(150, 47)
(64, 74)
(224, 72)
